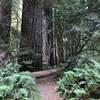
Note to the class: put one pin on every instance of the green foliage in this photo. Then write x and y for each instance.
(16, 85)
(82, 82)
(77, 21)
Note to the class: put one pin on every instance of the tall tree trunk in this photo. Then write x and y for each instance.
(16, 18)
(46, 46)
(34, 31)
(37, 36)
(0, 10)
(27, 23)
(5, 19)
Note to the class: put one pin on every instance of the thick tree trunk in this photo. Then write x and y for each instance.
(34, 31)
(27, 23)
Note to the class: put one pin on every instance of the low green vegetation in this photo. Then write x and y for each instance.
(16, 85)
(81, 82)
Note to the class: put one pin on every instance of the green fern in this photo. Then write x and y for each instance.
(16, 85)
(82, 82)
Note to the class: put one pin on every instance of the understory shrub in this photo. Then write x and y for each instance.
(82, 82)
(15, 85)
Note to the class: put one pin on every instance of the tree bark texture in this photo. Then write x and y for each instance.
(34, 32)
(5, 19)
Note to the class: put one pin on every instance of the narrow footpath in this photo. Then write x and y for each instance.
(46, 87)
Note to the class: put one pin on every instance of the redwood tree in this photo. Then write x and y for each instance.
(34, 32)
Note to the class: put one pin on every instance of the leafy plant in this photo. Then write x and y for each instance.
(82, 82)
(16, 85)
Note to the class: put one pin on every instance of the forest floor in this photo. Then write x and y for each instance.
(46, 87)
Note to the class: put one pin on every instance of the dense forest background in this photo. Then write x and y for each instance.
(50, 32)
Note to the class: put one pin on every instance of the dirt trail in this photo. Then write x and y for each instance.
(46, 87)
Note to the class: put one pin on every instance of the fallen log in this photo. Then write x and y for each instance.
(45, 73)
